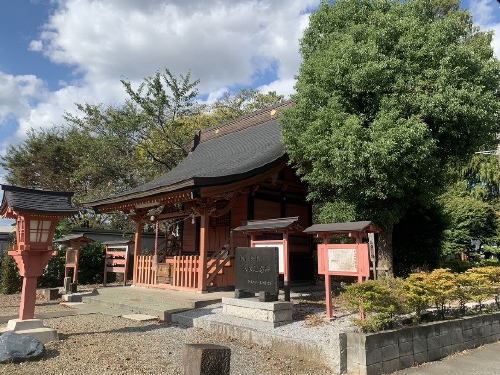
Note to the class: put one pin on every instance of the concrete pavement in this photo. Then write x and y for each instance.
(481, 361)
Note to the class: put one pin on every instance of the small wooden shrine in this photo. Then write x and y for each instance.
(74, 242)
(116, 258)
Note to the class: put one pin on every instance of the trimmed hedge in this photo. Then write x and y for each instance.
(383, 302)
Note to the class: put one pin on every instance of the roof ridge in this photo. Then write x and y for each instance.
(25, 189)
(245, 121)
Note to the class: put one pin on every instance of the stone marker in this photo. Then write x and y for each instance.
(67, 284)
(51, 294)
(73, 288)
(206, 359)
(18, 348)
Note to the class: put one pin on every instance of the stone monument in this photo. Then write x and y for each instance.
(256, 271)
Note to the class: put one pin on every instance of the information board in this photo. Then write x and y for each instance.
(256, 269)
(342, 260)
(281, 254)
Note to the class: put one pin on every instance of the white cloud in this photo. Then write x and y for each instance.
(18, 93)
(482, 12)
(224, 43)
(220, 41)
(35, 45)
(281, 86)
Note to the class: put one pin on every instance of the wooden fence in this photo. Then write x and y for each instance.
(185, 271)
(182, 272)
(146, 273)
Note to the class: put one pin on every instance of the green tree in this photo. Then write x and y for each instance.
(466, 219)
(388, 93)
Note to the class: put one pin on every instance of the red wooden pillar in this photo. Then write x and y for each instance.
(137, 250)
(202, 271)
(28, 298)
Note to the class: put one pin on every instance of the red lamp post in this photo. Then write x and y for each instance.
(36, 213)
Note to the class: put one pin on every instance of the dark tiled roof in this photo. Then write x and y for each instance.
(355, 226)
(229, 153)
(36, 201)
(123, 242)
(270, 224)
(72, 237)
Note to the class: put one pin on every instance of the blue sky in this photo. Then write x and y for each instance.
(54, 53)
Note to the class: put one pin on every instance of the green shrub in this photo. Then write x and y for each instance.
(458, 265)
(442, 289)
(416, 290)
(11, 282)
(377, 303)
(463, 290)
(484, 283)
(91, 269)
(53, 275)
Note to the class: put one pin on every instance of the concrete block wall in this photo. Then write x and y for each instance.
(389, 351)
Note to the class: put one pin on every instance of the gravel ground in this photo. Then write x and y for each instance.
(9, 304)
(99, 344)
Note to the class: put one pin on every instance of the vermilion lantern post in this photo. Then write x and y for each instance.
(36, 213)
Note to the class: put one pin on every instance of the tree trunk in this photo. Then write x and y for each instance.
(385, 254)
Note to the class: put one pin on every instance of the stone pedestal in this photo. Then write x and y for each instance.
(275, 313)
(51, 294)
(206, 359)
(33, 328)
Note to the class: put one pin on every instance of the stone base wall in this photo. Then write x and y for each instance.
(389, 351)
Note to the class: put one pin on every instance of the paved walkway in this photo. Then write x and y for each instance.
(121, 300)
(481, 361)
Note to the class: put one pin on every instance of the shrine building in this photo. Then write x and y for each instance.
(235, 172)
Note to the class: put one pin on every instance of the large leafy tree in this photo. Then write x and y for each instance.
(153, 119)
(467, 218)
(387, 94)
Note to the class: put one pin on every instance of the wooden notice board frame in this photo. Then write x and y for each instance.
(329, 265)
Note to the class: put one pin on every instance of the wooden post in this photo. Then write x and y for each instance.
(28, 298)
(286, 264)
(77, 263)
(137, 249)
(328, 293)
(202, 271)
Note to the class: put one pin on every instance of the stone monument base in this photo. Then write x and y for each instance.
(275, 313)
(33, 328)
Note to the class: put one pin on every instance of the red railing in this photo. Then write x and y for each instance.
(146, 273)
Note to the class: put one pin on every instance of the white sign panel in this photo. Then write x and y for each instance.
(342, 260)
(281, 261)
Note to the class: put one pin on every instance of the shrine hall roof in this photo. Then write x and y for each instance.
(228, 153)
(34, 201)
(283, 223)
(354, 226)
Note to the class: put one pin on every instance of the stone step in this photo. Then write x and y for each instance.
(100, 305)
(184, 320)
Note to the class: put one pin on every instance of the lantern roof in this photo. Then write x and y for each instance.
(36, 202)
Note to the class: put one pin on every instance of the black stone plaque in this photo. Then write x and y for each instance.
(256, 269)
